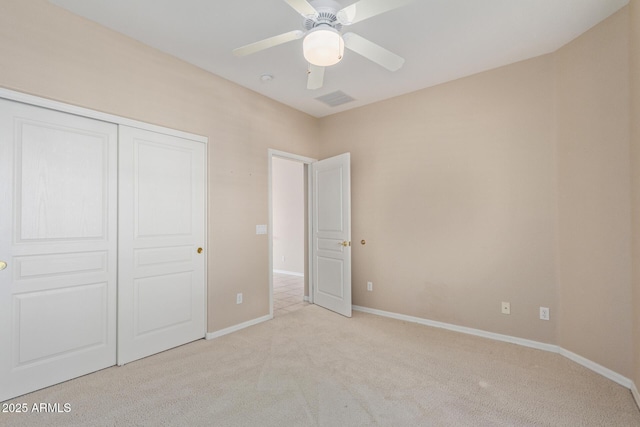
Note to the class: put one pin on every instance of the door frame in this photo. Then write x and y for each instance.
(306, 161)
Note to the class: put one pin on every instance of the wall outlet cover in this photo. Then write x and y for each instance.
(506, 307)
(544, 313)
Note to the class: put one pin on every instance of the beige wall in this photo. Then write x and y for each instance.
(51, 53)
(634, 22)
(510, 185)
(453, 188)
(288, 215)
(594, 222)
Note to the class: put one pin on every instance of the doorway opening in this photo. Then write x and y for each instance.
(288, 233)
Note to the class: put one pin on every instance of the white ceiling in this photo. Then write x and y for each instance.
(441, 40)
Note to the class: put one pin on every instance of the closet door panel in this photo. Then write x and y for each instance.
(58, 192)
(161, 294)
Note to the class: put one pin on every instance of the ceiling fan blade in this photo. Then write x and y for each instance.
(365, 9)
(373, 52)
(267, 43)
(316, 77)
(302, 7)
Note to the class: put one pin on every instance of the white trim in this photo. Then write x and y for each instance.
(593, 366)
(635, 393)
(310, 272)
(205, 238)
(597, 368)
(270, 226)
(289, 273)
(305, 298)
(463, 329)
(239, 326)
(86, 112)
(289, 156)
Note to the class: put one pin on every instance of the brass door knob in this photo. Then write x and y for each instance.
(363, 242)
(199, 250)
(3, 265)
(345, 243)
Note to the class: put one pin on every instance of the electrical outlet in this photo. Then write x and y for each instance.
(544, 313)
(370, 286)
(239, 298)
(506, 307)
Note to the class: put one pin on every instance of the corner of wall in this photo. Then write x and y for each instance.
(634, 53)
(594, 213)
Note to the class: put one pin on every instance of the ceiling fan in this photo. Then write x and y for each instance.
(324, 42)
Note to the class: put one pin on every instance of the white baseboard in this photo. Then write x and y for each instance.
(221, 332)
(305, 298)
(290, 273)
(599, 369)
(595, 367)
(463, 329)
(636, 395)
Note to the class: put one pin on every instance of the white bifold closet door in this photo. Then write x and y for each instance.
(161, 283)
(58, 230)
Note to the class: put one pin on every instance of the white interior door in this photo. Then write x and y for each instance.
(58, 201)
(331, 233)
(161, 273)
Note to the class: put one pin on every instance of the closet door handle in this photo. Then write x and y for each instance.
(3, 265)
(199, 250)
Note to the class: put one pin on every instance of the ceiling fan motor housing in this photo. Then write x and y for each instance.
(325, 17)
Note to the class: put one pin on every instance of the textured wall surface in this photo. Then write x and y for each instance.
(288, 215)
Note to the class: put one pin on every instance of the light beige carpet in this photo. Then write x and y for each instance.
(316, 368)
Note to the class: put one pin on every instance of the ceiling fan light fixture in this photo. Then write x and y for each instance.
(323, 46)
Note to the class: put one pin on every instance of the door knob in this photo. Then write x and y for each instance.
(3, 265)
(199, 250)
(345, 243)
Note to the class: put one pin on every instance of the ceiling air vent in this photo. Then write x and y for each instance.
(336, 98)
